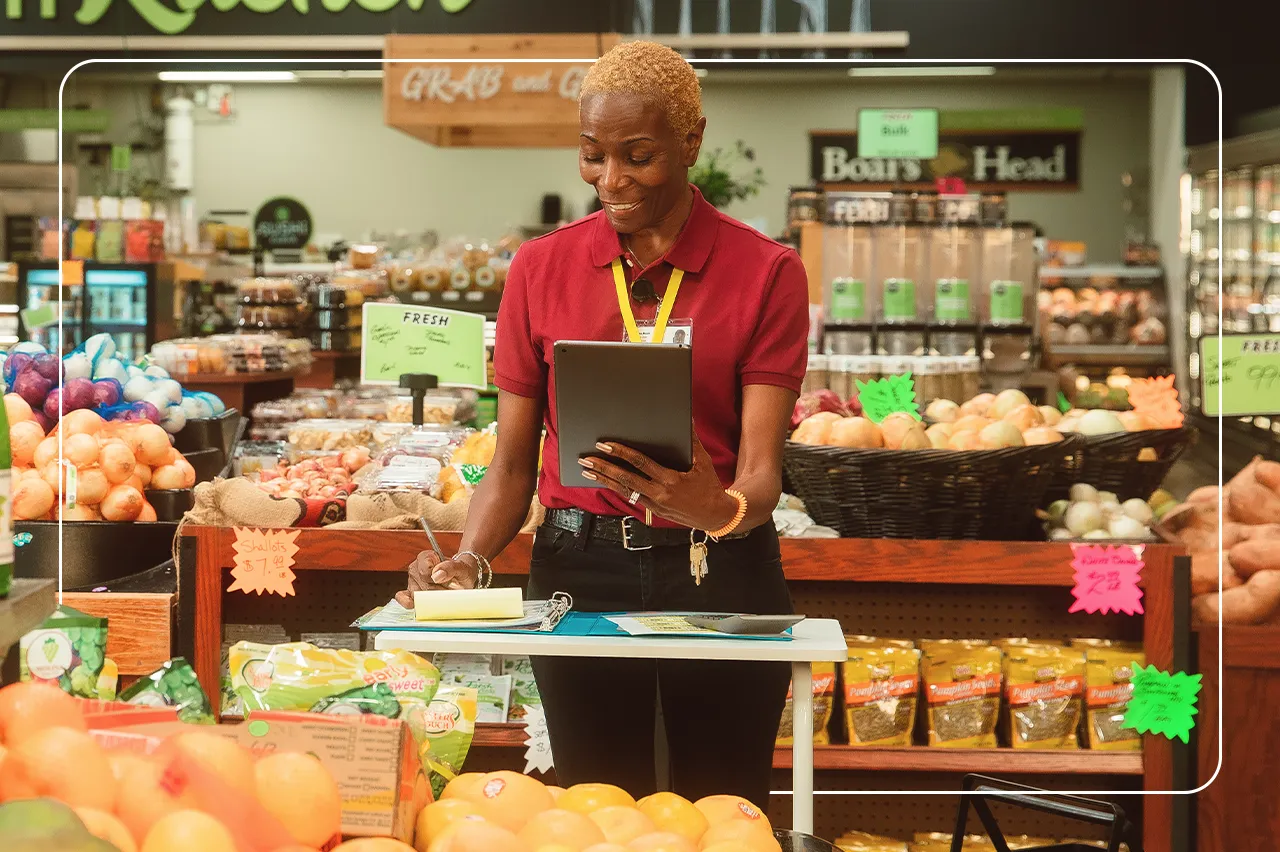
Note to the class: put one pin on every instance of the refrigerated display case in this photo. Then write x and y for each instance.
(1236, 272)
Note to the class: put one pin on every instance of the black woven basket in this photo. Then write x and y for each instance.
(1112, 463)
(927, 494)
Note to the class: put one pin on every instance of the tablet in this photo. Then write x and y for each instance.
(637, 394)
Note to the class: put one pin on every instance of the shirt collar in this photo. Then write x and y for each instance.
(691, 249)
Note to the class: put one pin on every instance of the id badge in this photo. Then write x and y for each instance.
(678, 332)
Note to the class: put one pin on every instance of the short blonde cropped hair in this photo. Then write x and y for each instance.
(654, 72)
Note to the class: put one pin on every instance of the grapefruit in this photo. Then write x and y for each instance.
(32, 706)
(123, 761)
(558, 826)
(675, 814)
(606, 847)
(556, 792)
(662, 841)
(147, 794)
(718, 809)
(373, 844)
(622, 824)
(107, 827)
(59, 763)
(746, 835)
(465, 786)
(510, 800)
(475, 836)
(220, 756)
(585, 798)
(298, 791)
(437, 816)
(188, 831)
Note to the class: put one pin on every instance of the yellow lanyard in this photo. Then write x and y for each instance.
(664, 309)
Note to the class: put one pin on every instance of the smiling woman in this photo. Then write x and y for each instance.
(656, 262)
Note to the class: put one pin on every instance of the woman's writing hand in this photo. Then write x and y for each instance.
(428, 573)
(695, 499)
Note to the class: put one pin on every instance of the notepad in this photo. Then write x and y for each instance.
(468, 604)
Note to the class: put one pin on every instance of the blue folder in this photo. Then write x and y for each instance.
(572, 624)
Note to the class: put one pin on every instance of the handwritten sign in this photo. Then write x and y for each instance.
(1157, 399)
(1246, 368)
(537, 755)
(399, 339)
(1106, 578)
(263, 561)
(898, 133)
(883, 397)
(1163, 703)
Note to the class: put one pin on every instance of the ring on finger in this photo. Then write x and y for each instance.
(634, 498)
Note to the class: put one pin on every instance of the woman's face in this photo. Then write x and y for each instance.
(629, 153)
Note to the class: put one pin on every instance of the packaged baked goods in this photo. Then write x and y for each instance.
(329, 434)
(362, 256)
(267, 291)
(436, 408)
(962, 682)
(1044, 685)
(881, 685)
(253, 456)
(824, 694)
(1108, 688)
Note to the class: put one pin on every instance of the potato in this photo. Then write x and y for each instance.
(1267, 473)
(1204, 572)
(1253, 603)
(1257, 554)
(1207, 494)
(1252, 503)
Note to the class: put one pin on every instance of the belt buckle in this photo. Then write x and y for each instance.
(626, 535)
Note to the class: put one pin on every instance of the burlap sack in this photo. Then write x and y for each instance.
(239, 503)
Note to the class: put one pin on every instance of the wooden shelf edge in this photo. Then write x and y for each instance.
(995, 761)
(241, 378)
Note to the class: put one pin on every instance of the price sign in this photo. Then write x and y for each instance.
(1163, 703)
(400, 339)
(1107, 578)
(1157, 398)
(263, 561)
(1246, 368)
(884, 396)
(898, 133)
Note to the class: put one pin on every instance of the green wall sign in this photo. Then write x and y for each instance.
(398, 339)
(1246, 368)
(898, 133)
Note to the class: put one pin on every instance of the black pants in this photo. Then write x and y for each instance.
(721, 718)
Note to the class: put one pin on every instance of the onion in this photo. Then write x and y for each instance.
(1123, 526)
(815, 428)
(32, 498)
(82, 422)
(1096, 534)
(971, 423)
(1081, 518)
(1025, 417)
(55, 476)
(77, 366)
(148, 513)
(1050, 414)
(1060, 534)
(137, 388)
(77, 394)
(117, 461)
(999, 435)
(1083, 492)
(965, 439)
(1138, 509)
(24, 437)
(1057, 510)
(1135, 421)
(122, 503)
(1041, 435)
(1108, 498)
(856, 433)
(939, 434)
(167, 478)
(942, 411)
(16, 409)
(143, 472)
(978, 405)
(1100, 422)
(153, 444)
(1006, 401)
(895, 428)
(79, 512)
(91, 486)
(45, 452)
(916, 439)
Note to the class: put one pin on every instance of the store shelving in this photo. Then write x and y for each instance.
(1077, 273)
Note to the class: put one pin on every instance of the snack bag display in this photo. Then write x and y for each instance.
(962, 686)
(445, 728)
(1044, 685)
(173, 685)
(824, 693)
(69, 650)
(881, 683)
(1108, 672)
(524, 688)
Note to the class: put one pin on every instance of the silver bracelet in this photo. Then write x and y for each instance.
(484, 571)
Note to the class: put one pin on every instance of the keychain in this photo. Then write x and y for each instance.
(697, 557)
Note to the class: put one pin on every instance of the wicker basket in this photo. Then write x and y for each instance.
(927, 494)
(1110, 463)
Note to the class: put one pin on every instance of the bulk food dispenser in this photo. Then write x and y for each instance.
(850, 304)
(955, 267)
(900, 249)
(1008, 299)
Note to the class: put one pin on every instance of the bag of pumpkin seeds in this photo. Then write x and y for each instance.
(962, 681)
(1108, 688)
(824, 696)
(881, 685)
(1044, 685)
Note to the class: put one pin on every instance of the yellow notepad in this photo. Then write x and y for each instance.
(468, 604)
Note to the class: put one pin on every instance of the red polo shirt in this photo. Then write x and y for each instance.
(746, 296)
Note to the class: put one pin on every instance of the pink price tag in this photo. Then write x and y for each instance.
(1106, 578)
(950, 186)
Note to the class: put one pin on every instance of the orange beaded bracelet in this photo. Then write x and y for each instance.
(737, 517)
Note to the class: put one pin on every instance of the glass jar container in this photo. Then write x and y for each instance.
(817, 375)
(840, 376)
(970, 377)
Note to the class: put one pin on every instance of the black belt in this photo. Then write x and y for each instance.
(620, 529)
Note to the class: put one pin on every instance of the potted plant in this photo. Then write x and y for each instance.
(714, 177)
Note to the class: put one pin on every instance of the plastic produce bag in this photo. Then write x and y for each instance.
(445, 729)
(68, 649)
(173, 685)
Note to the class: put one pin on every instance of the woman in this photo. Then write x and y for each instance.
(742, 305)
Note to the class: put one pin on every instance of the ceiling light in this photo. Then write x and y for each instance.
(924, 71)
(228, 77)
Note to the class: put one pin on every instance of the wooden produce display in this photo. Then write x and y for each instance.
(242, 391)
(885, 587)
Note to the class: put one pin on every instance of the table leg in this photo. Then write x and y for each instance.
(802, 750)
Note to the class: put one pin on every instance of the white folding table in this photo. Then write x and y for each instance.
(816, 640)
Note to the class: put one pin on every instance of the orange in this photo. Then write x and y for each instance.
(299, 792)
(622, 824)
(107, 827)
(220, 756)
(748, 835)
(556, 792)
(585, 798)
(675, 814)
(34, 706)
(510, 800)
(606, 847)
(563, 827)
(188, 831)
(373, 844)
(662, 841)
(437, 816)
(123, 761)
(718, 809)
(473, 836)
(465, 786)
(62, 764)
(146, 794)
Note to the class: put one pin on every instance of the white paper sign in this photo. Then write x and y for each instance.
(537, 755)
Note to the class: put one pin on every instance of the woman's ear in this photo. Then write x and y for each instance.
(693, 143)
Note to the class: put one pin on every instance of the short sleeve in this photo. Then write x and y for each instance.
(777, 352)
(518, 365)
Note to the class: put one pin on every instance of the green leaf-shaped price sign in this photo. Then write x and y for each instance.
(1163, 703)
(885, 396)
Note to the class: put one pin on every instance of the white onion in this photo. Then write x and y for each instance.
(1108, 497)
(1060, 534)
(1082, 518)
(1137, 509)
(1123, 526)
(1057, 510)
(1083, 492)
(1099, 422)
(1097, 534)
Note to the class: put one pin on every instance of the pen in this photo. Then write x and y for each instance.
(435, 545)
